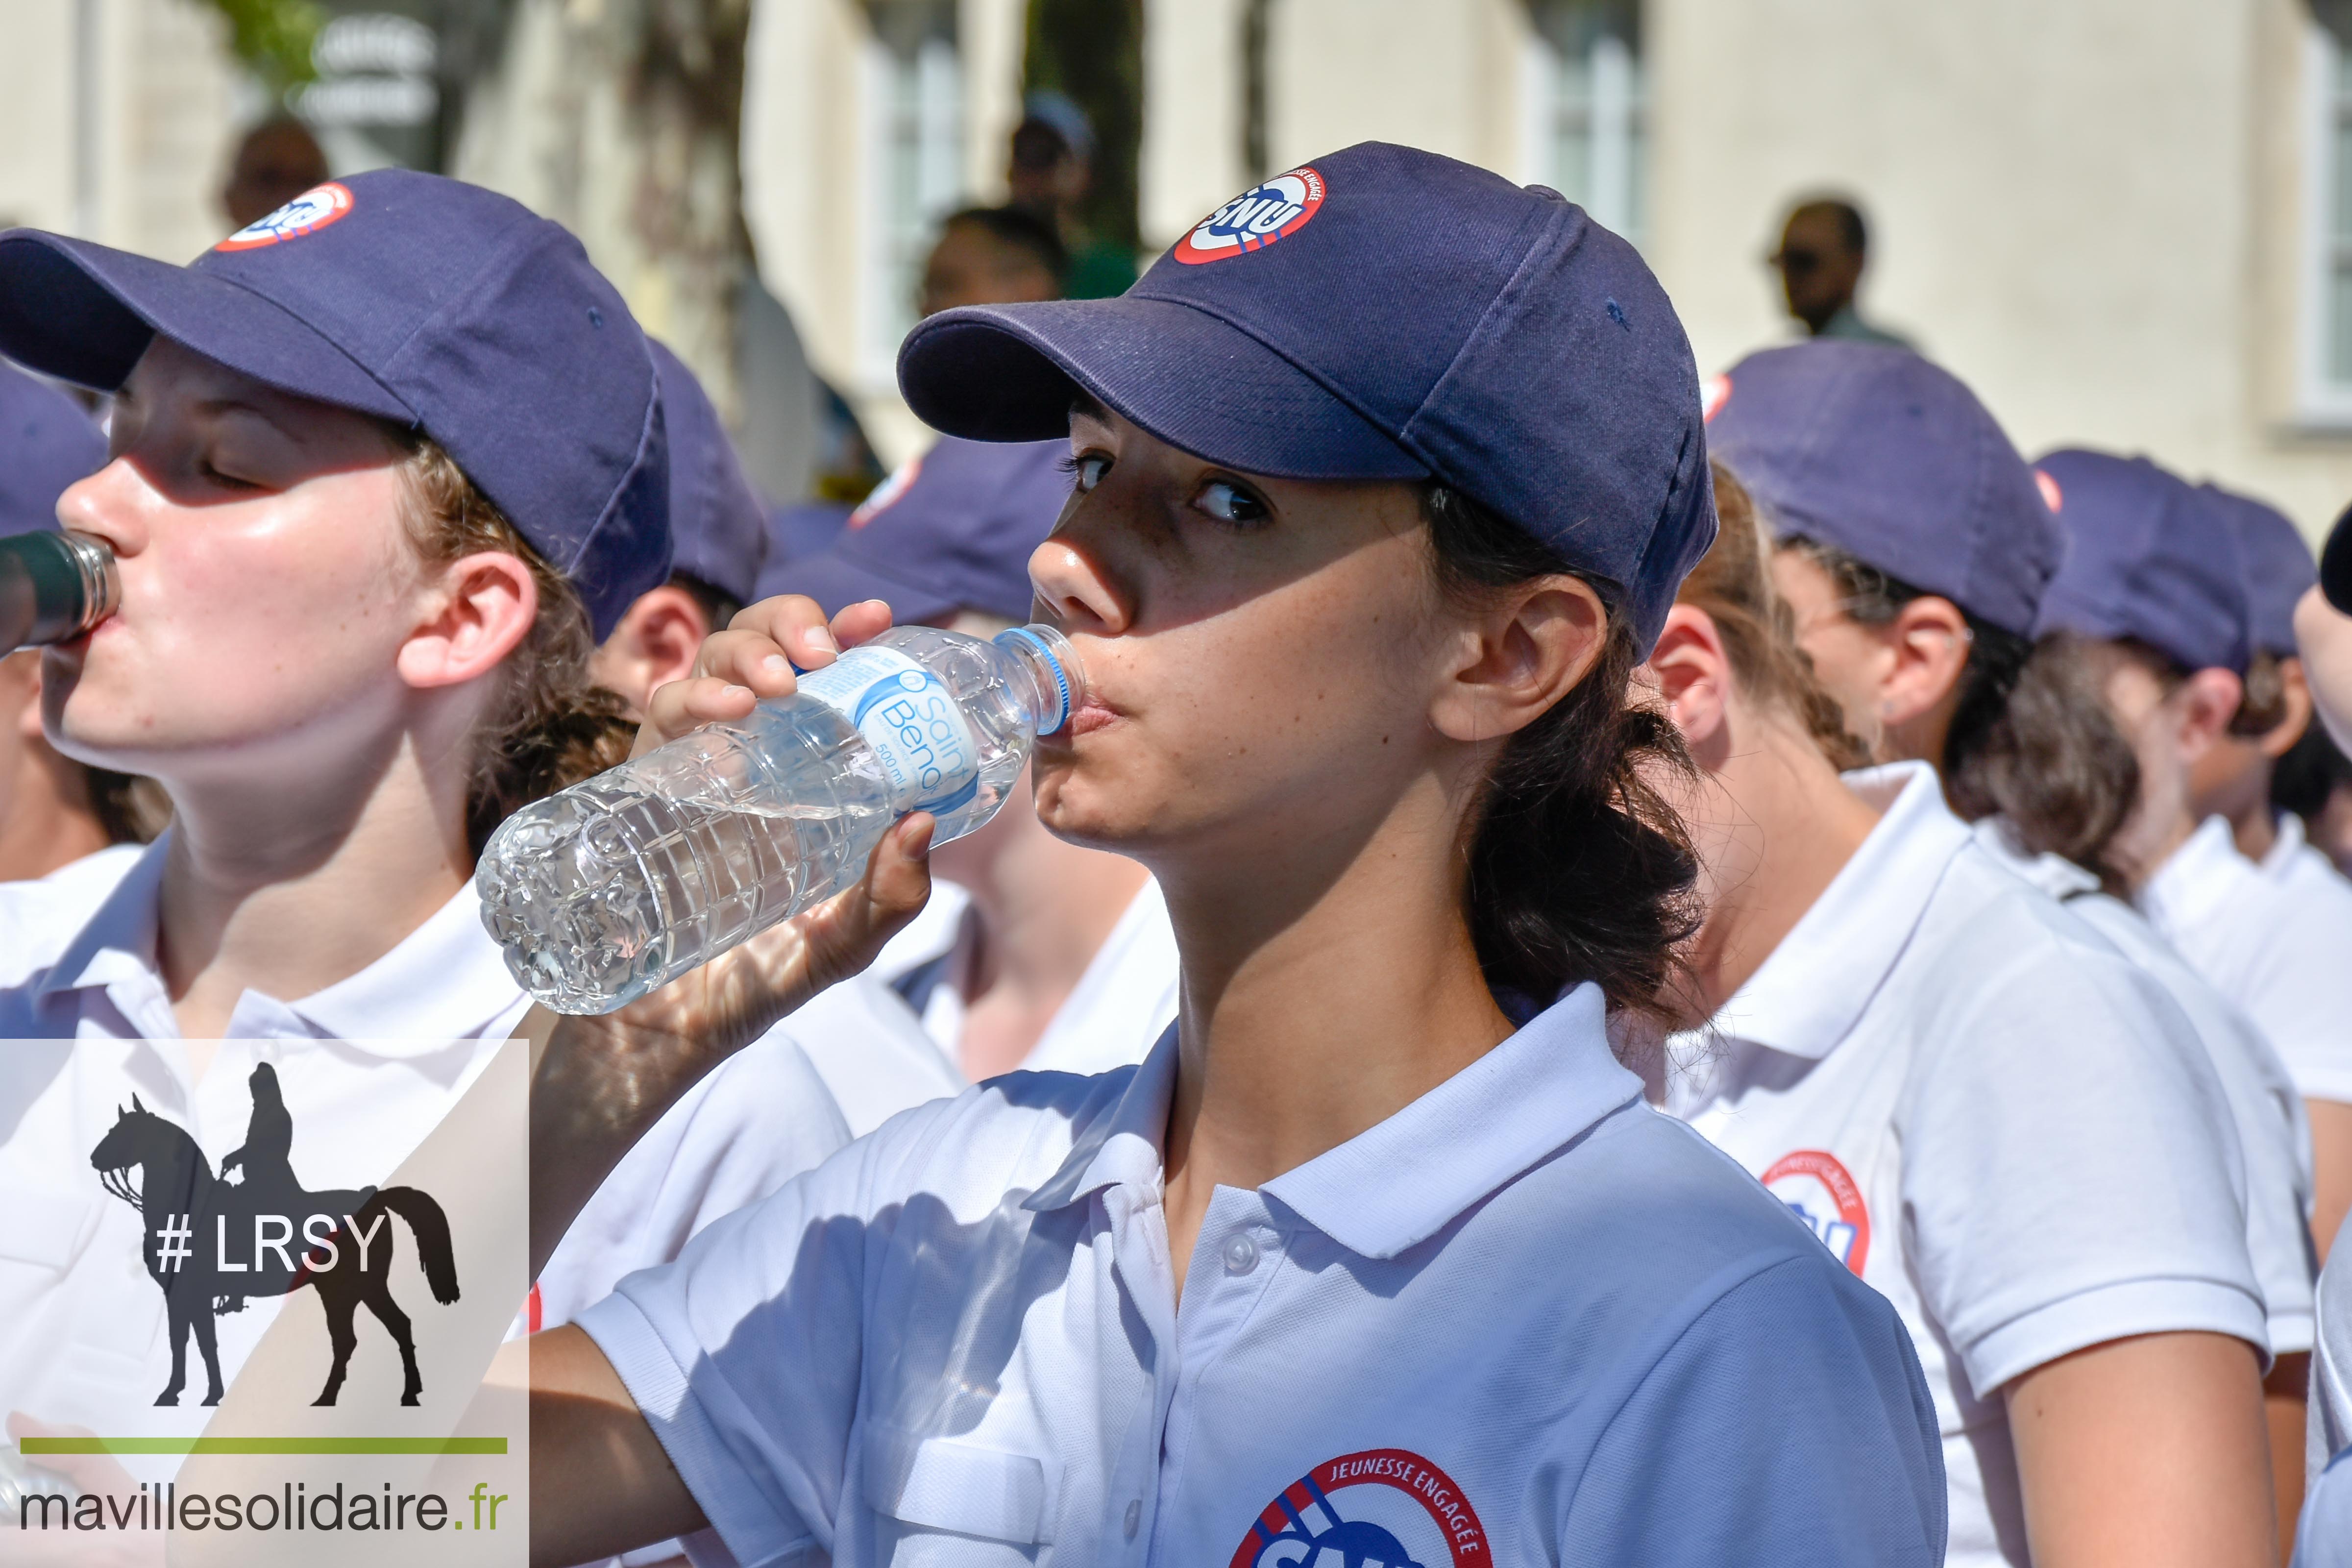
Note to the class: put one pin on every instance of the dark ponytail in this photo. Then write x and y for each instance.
(1579, 869)
(550, 727)
(2055, 764)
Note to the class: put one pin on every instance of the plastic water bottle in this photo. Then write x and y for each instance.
(620, 884)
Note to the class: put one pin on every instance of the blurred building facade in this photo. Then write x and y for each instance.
(2128, 223)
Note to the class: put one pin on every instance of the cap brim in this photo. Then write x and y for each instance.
(85, 313)
(836, 582)
(1010, 372)
(2336, 564)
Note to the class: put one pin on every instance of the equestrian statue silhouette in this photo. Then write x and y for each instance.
(197, 1224)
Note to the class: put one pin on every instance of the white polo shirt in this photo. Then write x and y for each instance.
(871, 1051)
(1119, 1007)
(1525, 1319)
(2273, 1129)
(33, 913)
(1990, 1117)
(2274, 943)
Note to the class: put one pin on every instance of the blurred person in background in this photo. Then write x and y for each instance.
(2025, 1126)
(1061, 958)
(2098, 787)
(2322, 625)
(994, 256)
(2155, 576)
(873, 1055)
(2233, 779)
(2313, 781)
(277, 161)
(69, 824)
(1052, 168)
(1824, 248)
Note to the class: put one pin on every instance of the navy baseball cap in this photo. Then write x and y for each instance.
(1874, 451)
(435, 305)
(718, 527)
(2277, 564)
(2149, 558)
(47, 444)
(953, 530)
(1381, 314)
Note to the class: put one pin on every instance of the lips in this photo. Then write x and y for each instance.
(1091, 715)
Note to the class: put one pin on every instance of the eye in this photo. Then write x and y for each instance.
(1232, 504)
(1087, 471)
(227, 480)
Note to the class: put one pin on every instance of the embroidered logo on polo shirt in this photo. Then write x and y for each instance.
(311, 211)
(1820, 1191)
(1384, 1507)
(1255, 219)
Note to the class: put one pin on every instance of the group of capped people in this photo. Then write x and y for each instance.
(1607, 971)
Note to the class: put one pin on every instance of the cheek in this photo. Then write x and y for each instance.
(264, 615)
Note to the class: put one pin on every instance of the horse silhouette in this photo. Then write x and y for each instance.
(195, 1221)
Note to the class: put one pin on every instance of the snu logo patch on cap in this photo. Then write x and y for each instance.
(313, 209)
(1255, 219)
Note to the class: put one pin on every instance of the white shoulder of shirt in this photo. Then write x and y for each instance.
(39, 918)
(1125, 999)
(871, 1051)
(756, 1122)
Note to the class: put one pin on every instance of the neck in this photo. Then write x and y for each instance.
(1776, 826)
(2246, 803)
(287, 889)
(48, 823)
(1329, 982)
(1046, 909)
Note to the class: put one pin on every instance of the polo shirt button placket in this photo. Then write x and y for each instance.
(1240, 1254)
(1134, 1520)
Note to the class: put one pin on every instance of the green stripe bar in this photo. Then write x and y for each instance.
(265, 1445)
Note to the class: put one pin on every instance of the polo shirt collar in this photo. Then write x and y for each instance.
(2054, 874)
(2288, 844)
(1807, 996)
(446, 980)
(2199, 880)
(117, 944)
(1397, 1185)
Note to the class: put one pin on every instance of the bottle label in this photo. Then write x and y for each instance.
(918, 733)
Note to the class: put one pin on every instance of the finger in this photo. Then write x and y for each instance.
(861, 622)
(794, 624)
(683, 706)
(844, 933)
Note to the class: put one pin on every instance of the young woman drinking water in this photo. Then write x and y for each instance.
(1384, 481)
(385, 466)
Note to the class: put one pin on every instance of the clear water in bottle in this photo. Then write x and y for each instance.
(620, 884)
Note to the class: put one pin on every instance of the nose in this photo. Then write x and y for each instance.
(105, 505)
(1076, 590)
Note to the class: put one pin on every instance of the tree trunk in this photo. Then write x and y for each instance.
(621, 120)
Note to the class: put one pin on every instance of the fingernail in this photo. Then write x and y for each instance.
(823, 637)
(776, 664)
(737, 692)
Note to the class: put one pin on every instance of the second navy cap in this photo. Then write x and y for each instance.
(433, 304)
(2148, 558)
(1381, 314)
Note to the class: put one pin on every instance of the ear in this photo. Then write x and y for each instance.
(1928, 639)
(1694, 674)
(1514, 662)
(655, 644)
(2203, 708)
(479, 611)
(136, 1105)
(2297, 692)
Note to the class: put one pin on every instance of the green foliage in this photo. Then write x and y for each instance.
(274, 38)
